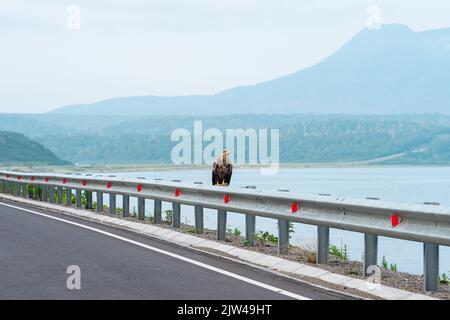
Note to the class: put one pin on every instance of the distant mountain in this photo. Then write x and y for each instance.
(15, 148)
(390, 70)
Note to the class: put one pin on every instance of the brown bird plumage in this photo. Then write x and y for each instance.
(222, 169)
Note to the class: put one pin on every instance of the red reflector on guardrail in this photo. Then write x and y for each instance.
(108, 185)
(139, 188)
(226, 198)
(84, 183)
(395, 221)
(46, 179)
(32, 178)
(294, 207)
(177, 192)
(19, 177)
(64, 181)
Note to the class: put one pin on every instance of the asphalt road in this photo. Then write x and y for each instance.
(35, 252)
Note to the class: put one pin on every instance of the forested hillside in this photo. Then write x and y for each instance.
(406, 139)
(15, 148)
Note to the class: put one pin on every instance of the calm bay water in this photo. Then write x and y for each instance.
(403, 184)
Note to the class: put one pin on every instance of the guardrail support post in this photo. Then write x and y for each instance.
(17, 189)
(370, 253)
(250, 229)
(69, 197)
(221, 225)
(60, 195)
(99, 201)
(125, 205)
(157, 211)
(176, 215)
(112, 203)
(141, 209)
(78, 198)
(198, 219)
(323, 244)
(31, 191)
(37, 196)
(88, 195)
(51, 194)
(283, 236)
(24, 190)
(431, 266)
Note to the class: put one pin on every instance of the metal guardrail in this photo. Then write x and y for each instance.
(414, 222)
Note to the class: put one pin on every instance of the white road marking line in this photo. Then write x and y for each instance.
(167, 253)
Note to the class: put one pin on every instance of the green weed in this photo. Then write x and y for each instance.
(264, 237)
(444, 278)
(340, 253)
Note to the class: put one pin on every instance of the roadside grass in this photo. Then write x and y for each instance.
(385, 265)
(444, 279)
(341, 253)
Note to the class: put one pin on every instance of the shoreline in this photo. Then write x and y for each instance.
(115, 168)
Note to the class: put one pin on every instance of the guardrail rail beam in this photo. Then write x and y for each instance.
(421, 223)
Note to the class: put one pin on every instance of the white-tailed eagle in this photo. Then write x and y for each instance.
(222, 169)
